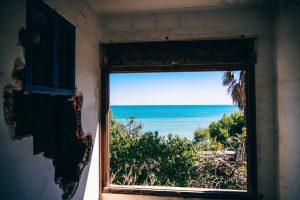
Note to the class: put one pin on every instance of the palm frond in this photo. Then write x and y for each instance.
(227, 78)
(235, 87)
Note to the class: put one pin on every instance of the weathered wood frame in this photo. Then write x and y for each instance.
(241, 58)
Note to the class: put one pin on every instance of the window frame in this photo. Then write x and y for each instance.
(57, 19)
(248, 65)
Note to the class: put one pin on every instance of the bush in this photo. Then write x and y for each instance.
(146, 158)
(226, 127)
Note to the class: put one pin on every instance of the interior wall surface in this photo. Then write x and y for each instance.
(287, 48)
(231, 22)
(24, 175)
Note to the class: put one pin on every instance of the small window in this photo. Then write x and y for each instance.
(148, 91)
(50, 54)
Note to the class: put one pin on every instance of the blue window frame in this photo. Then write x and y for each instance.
(50, 53)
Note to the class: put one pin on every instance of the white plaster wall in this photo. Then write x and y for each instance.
(287, 51)
(23, 175)
(218, 23)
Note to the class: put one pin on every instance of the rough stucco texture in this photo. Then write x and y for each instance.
(24, 175)
(222, 23)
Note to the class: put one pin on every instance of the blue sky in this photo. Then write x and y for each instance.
(169, 88)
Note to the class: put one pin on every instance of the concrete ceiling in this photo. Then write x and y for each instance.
(115, 6)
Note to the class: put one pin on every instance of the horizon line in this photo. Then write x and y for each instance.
(172, 105)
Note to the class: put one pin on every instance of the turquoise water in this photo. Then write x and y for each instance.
(178, 119)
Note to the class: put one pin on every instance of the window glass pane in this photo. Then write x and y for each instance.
(178, 129)
(42, 32)
(66, 45)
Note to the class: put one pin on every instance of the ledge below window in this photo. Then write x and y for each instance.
(178, 192)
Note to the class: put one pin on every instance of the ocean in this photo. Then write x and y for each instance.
(176, 119)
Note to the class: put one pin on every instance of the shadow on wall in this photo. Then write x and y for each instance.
(54, 121)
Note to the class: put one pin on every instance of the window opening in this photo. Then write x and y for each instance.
(178, 129)
(186, 128)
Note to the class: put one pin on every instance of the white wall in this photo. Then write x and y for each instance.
(287, 49)
(220, 23)
(23, 175)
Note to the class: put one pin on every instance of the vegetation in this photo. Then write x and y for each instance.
(235, 81)
(214, 159)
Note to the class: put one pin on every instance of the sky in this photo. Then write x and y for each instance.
(168, 88)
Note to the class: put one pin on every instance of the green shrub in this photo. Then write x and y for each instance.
(146, 158)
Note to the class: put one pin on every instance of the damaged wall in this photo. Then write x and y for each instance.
(28, 176)
(231, 22)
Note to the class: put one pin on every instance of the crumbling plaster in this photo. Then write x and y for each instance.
(28, 176)
(231, 22)
(24, 176)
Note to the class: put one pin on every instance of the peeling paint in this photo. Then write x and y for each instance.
(16, 84)
(70, 188)
(53, 121)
